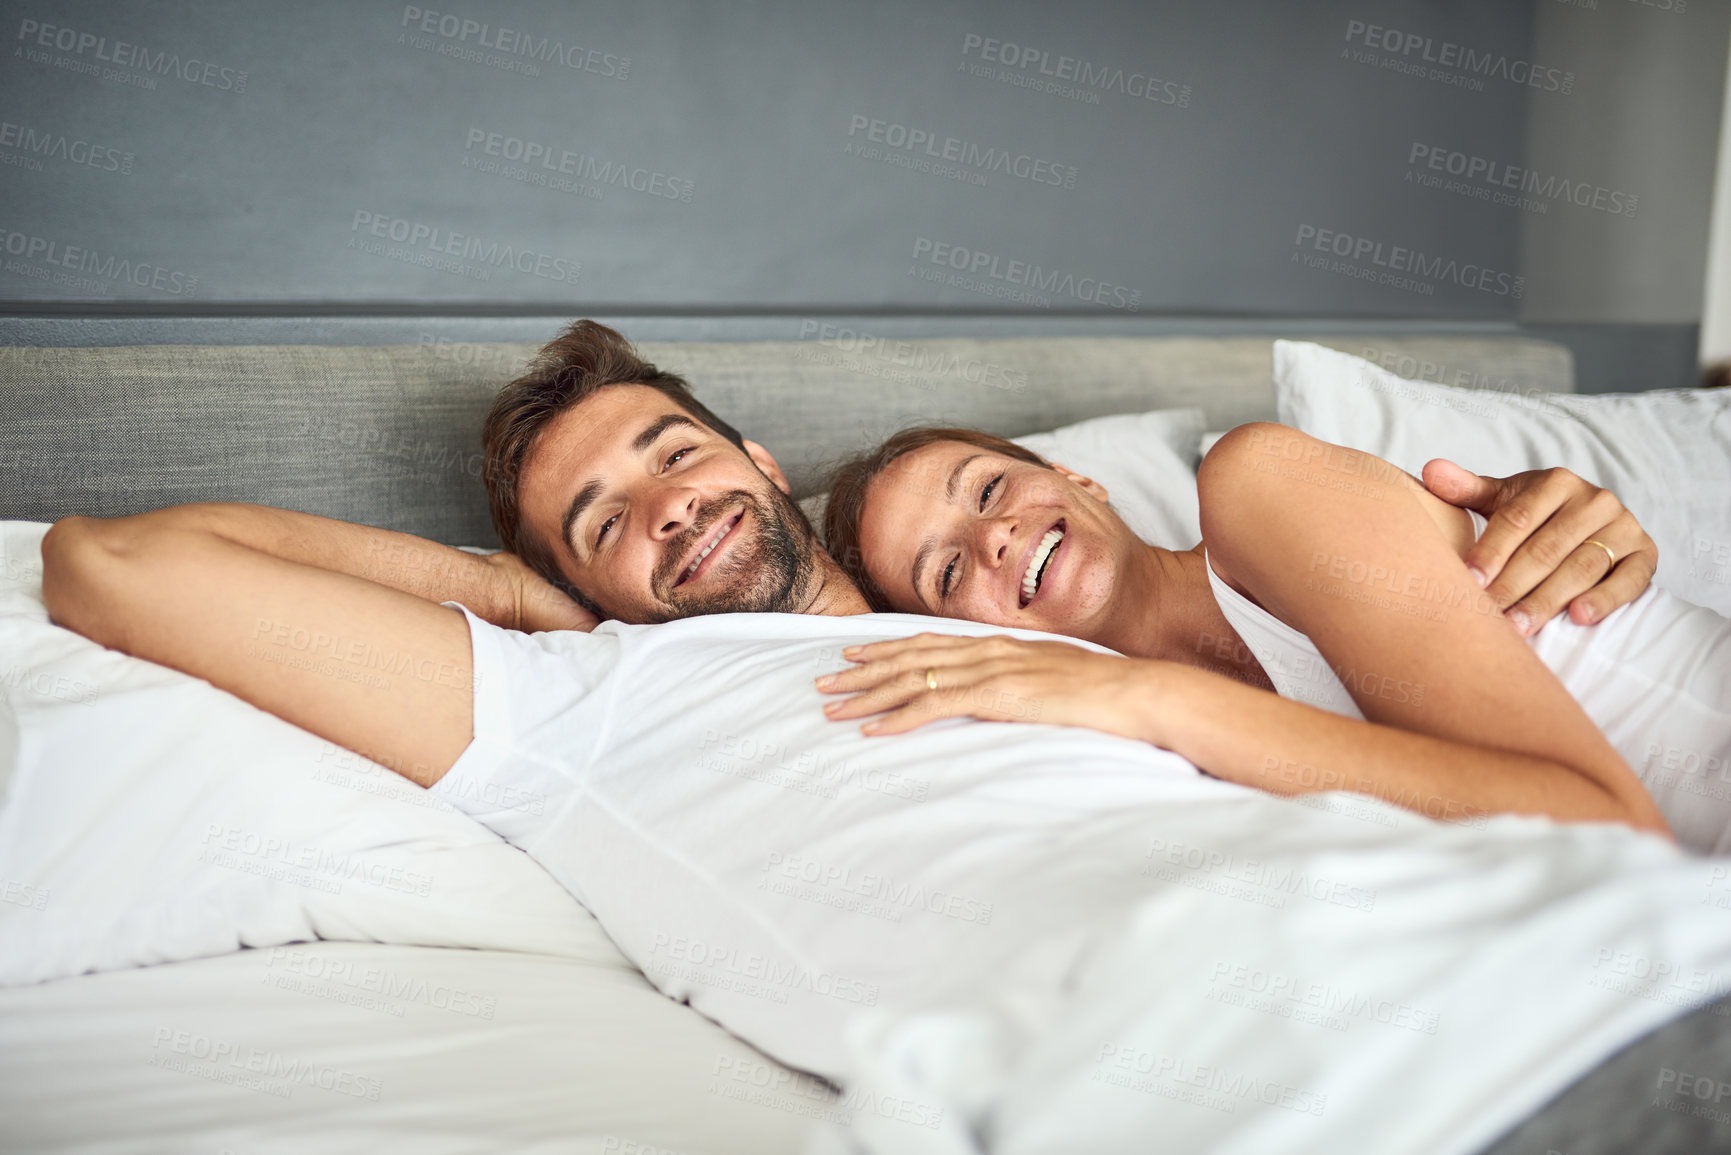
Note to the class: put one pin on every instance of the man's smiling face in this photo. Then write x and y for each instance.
(656, 516)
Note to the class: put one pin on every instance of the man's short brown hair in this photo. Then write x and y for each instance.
(586, 357)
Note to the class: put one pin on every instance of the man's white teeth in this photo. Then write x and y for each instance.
(725, 530)
(1031, 579)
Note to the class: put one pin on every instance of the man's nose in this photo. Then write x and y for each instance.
(671, 509)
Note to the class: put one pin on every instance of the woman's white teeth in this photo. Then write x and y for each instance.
(1037, 563)
(725, 530)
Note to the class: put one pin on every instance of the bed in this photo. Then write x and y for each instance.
(558, 1048)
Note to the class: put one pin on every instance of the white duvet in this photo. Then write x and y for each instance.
(1022, 938)
(1041, 939)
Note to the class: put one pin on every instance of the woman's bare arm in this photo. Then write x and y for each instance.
(1373, 575)
(1233, 731)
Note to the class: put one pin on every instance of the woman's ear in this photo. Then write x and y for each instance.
(766, 465)
(1089, 486)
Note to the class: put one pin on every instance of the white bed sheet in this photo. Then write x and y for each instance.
(544, 1038)
(369, 1047)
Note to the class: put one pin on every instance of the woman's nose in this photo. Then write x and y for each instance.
(993, 538)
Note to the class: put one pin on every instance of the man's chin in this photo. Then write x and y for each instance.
(751, 591)
(765, 572)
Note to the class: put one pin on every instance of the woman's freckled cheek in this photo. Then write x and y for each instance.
(1085, 589)
(981, 608)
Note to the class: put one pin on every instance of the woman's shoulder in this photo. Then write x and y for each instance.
(1266, 454)
(1262, 475)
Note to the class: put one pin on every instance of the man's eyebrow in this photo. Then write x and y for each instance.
(587, 495)
(584, 499)
(659, 426)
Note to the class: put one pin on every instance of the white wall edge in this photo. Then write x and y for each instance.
(1716, 301)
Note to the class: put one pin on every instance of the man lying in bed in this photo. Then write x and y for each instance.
(612, 485)
(617, 494)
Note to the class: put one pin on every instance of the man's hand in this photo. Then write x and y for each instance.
(1536, 554)
(538, 605)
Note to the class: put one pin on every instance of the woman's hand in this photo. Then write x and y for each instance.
(995, 679)
(531, 604)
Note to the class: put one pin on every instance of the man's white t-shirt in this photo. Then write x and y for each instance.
(682, 781)
(793, 879)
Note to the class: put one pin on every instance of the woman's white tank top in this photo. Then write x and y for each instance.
(1654, 676)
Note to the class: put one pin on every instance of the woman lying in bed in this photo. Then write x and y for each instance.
(1324, 575)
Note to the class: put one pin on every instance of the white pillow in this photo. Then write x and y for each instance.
(1666, 454)
(152, 817)
(1146, 461)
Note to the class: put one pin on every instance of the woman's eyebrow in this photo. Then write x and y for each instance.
(920, 559)
(924, 553)
(956, 475)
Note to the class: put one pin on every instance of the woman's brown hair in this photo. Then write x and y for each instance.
(850, 480)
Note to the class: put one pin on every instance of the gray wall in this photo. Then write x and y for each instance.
(251, 157)
(1641, 129)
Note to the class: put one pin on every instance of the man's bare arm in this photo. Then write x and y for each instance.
(331, 626)
(497, 587)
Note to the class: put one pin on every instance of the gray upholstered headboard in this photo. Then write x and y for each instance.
(390, 435)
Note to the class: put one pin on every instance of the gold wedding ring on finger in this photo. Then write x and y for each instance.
(1609, 552)
(931, 678)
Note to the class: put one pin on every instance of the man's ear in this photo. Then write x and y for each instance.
(1089, 486)
(766, 465)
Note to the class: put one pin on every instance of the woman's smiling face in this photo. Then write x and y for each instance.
(957, 531)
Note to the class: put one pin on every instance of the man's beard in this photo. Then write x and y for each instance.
(771, 574)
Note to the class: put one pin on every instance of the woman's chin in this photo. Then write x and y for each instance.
(1056, 614)
(998, 617)
(1075, 601)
